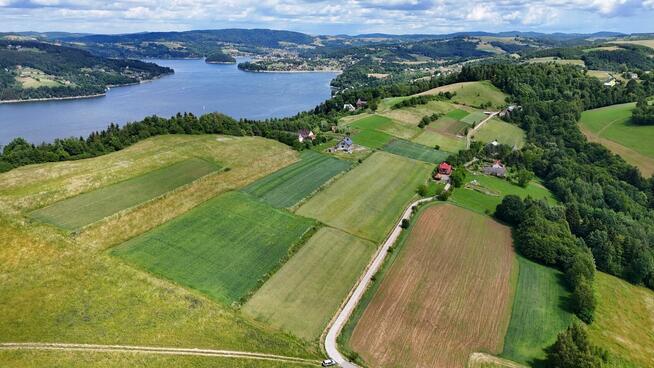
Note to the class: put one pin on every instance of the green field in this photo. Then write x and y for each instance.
(624, 321)
(304, 295)
(221, 248)
(538, 313)
(446, 143)
(501, 131)
(611, 127)
(556, 60)
(474, 118)
(473, 94)
(288, 186)
(386, 125)
(371, 138)
(368, 200)
(493, 190)
(87, 208)
(457, 114)
(415, 151)
(85, 359)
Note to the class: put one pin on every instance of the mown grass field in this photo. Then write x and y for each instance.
(411, 116)
(84, 209)
(494, 189)
(288, 186)
(556, 60)
(78, 359)
(473, 94)
(447, 294)
(539, 312)
(457, 114)
(221, 248)
(446, 143)
(624, 321)
(305, 293)
(415, 151)
(610, 126)
(371, 138)
(368, 199)
(44, 296)
(648, 43)
(503, 132)
(385, 125)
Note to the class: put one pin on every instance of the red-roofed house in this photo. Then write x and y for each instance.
(445, 168)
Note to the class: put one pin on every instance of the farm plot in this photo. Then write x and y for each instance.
(371, 138)
(538, 314)
(221, 248)
(448, 294)
(473, 94)
(415, 151)
(305, 293)
(624, 321)
(446, 143)
(87, 208)
(501, 131)
(368, 200)
(288, 186)
(457, 114)
(474, 118)
(386, 125)
(610, 126)
(482, 193)
(411, 116)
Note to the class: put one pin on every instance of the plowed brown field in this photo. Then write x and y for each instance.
(447, 295)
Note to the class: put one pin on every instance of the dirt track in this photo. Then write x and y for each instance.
(156, 350)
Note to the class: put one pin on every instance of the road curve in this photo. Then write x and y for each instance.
(344, 313)
(155, 350)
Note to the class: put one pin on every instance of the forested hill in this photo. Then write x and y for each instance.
(34, 70)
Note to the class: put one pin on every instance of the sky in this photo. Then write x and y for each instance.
(329, 17)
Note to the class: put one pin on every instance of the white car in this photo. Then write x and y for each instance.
(328, 363)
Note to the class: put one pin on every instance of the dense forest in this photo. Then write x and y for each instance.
(643, 114)
(608, 207)
(219, 57)
(70, 71)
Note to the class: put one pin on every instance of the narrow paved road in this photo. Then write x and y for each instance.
(344, 314)
(156, 350)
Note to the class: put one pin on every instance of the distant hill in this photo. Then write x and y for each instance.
(39, 70)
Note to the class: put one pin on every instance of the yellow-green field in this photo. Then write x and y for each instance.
(367, 200)
(624, 321)
(648, 43)
(304, 294)
(557, 60)
(611, 127)
(473, 94)
(503, 132)
(62, 288)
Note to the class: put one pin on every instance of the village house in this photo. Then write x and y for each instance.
(610, 83)
(345, 145)
(305, 134)
(496, 169)
(509, 110)
(443, 171)
(349, 107)
(361, 103)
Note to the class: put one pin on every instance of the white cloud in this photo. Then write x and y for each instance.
(328, 16)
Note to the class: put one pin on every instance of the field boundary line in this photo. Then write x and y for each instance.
(347, 308)
(154, 350)
(476, 127)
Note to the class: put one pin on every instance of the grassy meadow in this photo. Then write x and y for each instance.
(473, 94)
(371, 138)
(611, 127)
(305, 293)
(87, 208)
(539, 312)
(57, 287)
(423, 313)
(489, 191)
(385, 125)
(624, 321)
(503, 132)
(415, 151)
(221, 248)
(288, 186)
(446, 143)
(83, 359)
(368, 200)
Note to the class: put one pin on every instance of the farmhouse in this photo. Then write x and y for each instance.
(610, 83)
(443, 172)
(496, 169)
(361, 104)
(348, 107)
(305, 134)
(345, 145)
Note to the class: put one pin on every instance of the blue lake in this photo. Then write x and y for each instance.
(195, 87)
